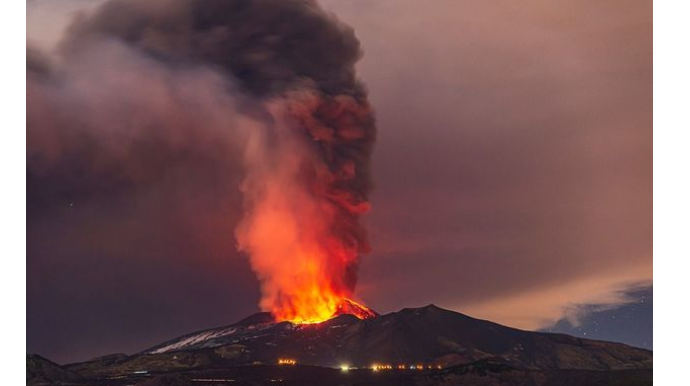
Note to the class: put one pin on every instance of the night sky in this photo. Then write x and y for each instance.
(630, 323)
(512, 172)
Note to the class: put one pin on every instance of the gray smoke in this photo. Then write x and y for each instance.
(171, 92)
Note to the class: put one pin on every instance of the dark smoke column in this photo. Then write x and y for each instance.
(308, 154)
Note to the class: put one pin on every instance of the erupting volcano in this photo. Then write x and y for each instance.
(308, 180)
(297, 116)
(306, 187)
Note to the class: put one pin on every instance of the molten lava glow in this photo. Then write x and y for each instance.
(303, 198)
(301, 266)
(344, 306)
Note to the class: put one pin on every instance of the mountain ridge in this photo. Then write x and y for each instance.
(413, 346)
(429, 335)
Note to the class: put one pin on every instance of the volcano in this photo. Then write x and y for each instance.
(427, 342)
(350, 307)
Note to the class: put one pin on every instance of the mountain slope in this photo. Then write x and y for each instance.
(41, 371)
(429, 335)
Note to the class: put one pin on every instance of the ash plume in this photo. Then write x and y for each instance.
(263, 90)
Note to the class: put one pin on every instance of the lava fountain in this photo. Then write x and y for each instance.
(308, 177)
(309, 134)
(304, 193)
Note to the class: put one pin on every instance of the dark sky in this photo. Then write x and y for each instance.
(513, 182)
(630, 323)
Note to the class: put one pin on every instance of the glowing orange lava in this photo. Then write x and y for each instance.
(321, 314)
(302, 265)
(304, 194)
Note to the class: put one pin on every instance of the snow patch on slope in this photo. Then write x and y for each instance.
(210, 338)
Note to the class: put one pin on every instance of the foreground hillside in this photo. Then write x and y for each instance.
(483, 373)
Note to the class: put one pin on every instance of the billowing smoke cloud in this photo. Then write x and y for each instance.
(145, 88)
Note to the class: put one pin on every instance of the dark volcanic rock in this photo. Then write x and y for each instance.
(483, 373)
(258, 318)
(429, 335)
(169, 362)
(455, 349)
(167, 380)
(41, 371)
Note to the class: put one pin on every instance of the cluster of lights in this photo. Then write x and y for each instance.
(374, 367)
(404, 367)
